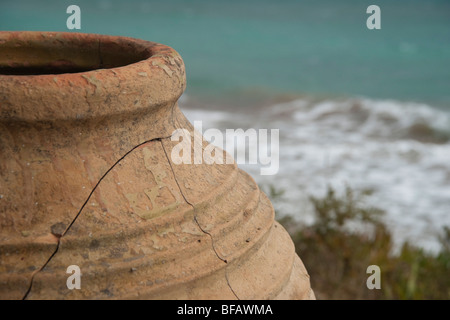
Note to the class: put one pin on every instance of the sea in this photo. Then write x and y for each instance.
(355, 107)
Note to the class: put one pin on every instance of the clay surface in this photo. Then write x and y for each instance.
(86, 179)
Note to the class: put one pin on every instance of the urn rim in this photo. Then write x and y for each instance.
(47, 76)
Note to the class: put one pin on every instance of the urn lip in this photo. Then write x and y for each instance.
(48, 76)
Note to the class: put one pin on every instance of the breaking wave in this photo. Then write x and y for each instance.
(399, 151)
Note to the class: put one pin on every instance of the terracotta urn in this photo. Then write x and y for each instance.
(87, 180)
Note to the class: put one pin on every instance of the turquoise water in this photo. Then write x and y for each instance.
(319, 47)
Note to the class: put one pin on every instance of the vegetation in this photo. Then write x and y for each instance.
(337, 258)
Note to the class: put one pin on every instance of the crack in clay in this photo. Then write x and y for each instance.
(92, 192)
(81, 209)
(39, 270)
(104, 175)
(197, 223)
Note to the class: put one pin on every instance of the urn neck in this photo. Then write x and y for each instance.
(55, 77)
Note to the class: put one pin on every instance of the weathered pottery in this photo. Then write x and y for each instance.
(86, 179)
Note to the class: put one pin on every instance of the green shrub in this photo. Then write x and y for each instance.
(337, 258)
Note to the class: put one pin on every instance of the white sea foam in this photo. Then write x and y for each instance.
(398, 150)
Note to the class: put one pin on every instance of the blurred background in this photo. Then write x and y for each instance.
(366, 110)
